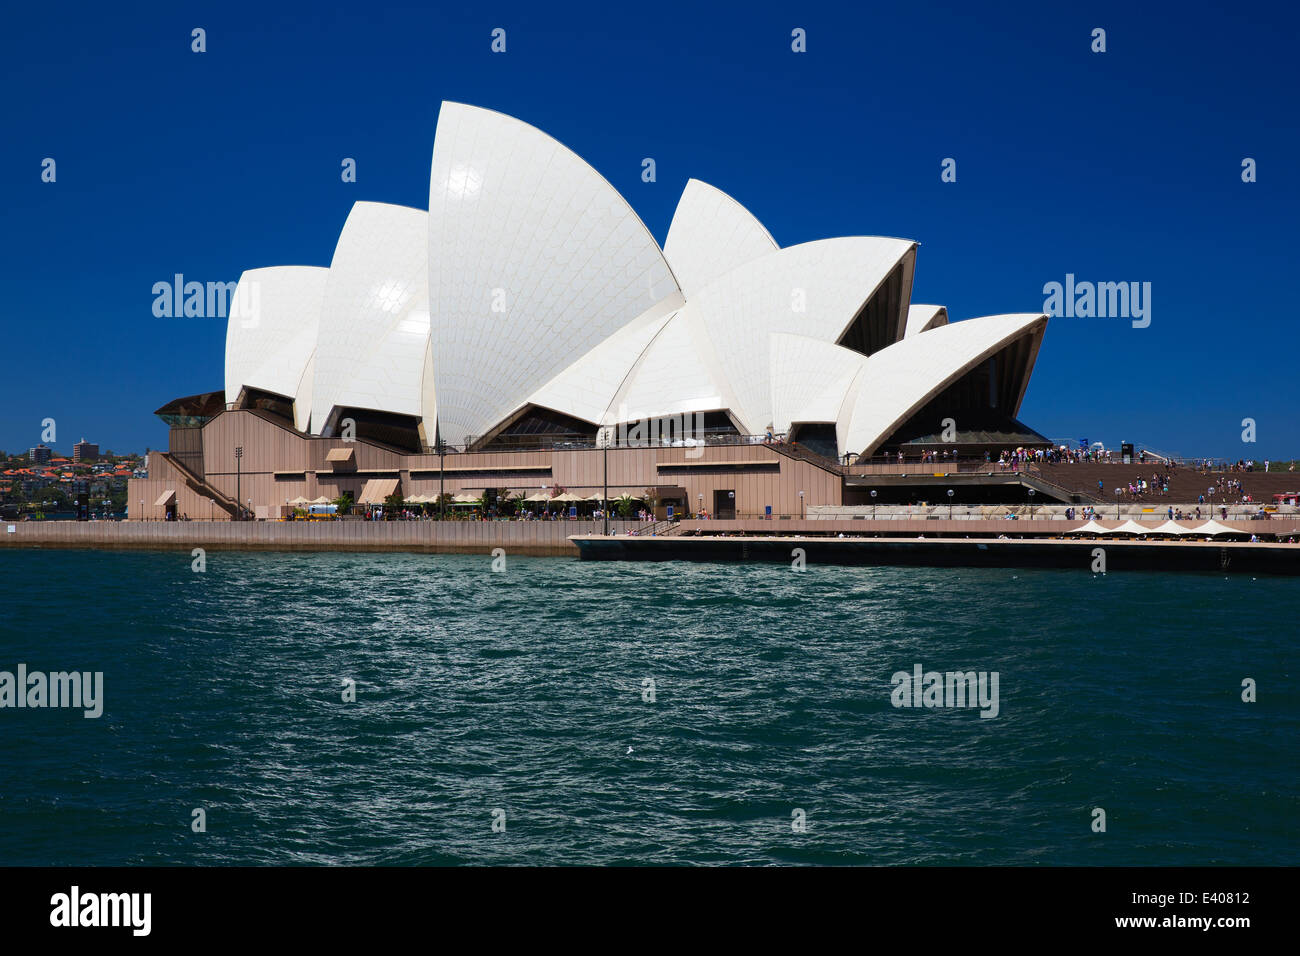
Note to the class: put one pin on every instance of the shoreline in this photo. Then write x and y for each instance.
(919, 543)
(1093, 555)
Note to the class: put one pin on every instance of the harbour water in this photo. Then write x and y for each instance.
(607, 713)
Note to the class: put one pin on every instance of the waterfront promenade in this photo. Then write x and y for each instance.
(539, 538)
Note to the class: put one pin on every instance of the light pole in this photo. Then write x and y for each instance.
(209, 509)
(141, 509)
(239, 454)
(1031, 503)
(701, 506)
(873, 504)
(442, 480)
(801, 511)
(949, 504)
(604, 501)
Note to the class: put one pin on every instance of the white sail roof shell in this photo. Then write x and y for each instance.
(519, 222)
(897, 381)
(271, 333)
(678, 372)
(374, 331)
(811, 379)
(922, 318)
(814, 289)
(587, 388)
(710, 235)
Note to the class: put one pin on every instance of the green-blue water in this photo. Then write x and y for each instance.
(522, 691)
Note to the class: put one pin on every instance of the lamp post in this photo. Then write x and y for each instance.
(1031, 503)
(603, 437)
(239, 454)
(701, 506)
(873, 504)
(949, 504)
(141, 509)
(442, 480)
(1118, 492)
(209, 509)
(801, 511)
(107, 505)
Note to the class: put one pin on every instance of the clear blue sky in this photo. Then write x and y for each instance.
(1122, 166)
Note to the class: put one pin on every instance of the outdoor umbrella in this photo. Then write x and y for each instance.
(1131, 527)
(1170, 527)
(1092, 527)
(1212, 528)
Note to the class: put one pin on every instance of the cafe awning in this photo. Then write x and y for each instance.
(376, 490)
(340, 458)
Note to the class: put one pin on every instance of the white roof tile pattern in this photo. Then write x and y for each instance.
(374, 326)
(587, 388)
(811, 379)
(897, 381)
(830, 278)
(922, 318)
(678, 372)
(271, 333)
(519, 221)
(710, 235)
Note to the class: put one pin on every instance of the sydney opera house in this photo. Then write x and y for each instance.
(527, 332)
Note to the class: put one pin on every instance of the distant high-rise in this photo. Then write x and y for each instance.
(40, 455)
(85, 451)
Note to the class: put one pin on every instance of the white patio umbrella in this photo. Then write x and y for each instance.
(1212, 528)
(1092, 527)
(1131, 527)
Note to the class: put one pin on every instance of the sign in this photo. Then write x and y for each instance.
(1083, 443)
(573, 511)
(11, 529)
(767, 511)
(670, 511)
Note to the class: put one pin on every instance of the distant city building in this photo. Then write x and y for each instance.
(40, 455)
(85, 451)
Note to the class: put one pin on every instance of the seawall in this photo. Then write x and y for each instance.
(538, 538)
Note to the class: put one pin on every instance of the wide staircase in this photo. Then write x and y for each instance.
(201, 487)
(800, 453)
(1185, 482)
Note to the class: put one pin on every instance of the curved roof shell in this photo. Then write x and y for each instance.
(899, 380)
(587, 389)
(372, 346)
(815, 289)
(923, 318)
(271, 333)
(710, 235)
(533, 258)
(811, 380)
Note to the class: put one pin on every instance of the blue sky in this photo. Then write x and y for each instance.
(1122, 166)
